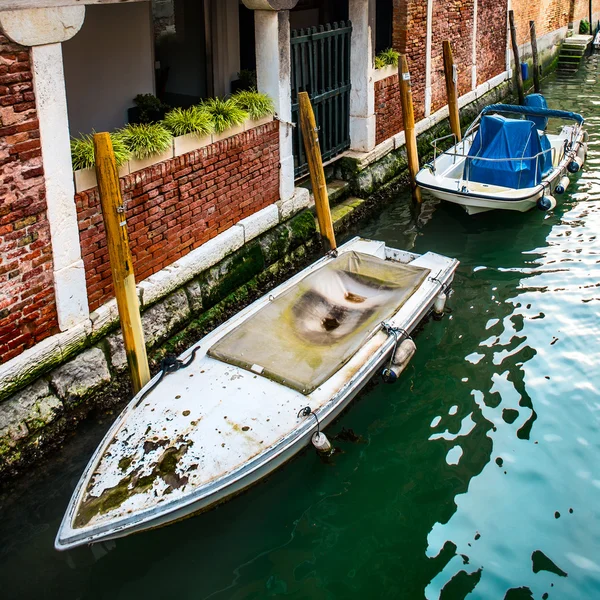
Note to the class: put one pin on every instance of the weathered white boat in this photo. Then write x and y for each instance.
(253, 392)
(508, 163)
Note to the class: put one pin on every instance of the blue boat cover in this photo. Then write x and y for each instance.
(499, 139)
(537, 101)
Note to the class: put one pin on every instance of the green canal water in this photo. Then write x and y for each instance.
(477, 475)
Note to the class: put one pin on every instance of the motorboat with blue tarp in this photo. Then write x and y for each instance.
(508, 159)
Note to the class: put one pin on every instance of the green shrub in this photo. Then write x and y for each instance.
(584, 27)
(386, 58)
(146, 139)
(82, 151)
(150, 108)
(256, 104)
(224, 113)
(182, 121)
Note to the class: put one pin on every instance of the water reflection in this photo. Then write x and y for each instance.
(473, 475)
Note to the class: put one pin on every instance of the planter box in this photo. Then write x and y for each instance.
(137, 164)
(190, 142)
(228, 133)
(379, 74)
(251, 124)
(85, 179)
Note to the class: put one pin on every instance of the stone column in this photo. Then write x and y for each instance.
(44, 29)
(273, 75)
(362, 95)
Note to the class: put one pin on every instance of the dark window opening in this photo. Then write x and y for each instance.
(383, 25)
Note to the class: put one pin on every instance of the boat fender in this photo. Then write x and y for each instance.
(575, 165)
(440, 303)
(546, 203)
(582, 152)
(400, 360)
(562, 185)
(321, 443)
(586, 136)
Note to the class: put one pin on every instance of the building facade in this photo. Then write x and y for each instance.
(70, 67)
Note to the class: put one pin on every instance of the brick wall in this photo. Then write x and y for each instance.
(409, 36)
(491, 39)
(388, 112)
(549, 15)
(177, 205)
(452, 20)
(27, 305)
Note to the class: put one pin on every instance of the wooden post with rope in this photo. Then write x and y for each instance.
(451, 90)
(536, 64)
(515, 49)
(121, 263)
(408, 118)
(310, 134)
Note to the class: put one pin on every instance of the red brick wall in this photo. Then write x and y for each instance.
(452, 20)
(409, 37)
(388, 112)
(27, 305)
(178, 205)
(491, 39)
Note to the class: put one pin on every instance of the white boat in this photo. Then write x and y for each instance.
(256, 390)
(508, 163)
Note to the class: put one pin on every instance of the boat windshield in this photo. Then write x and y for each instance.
(305, 335)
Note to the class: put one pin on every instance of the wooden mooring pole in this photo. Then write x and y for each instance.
(408, 118)
(515, 49)
(536, 64)
(310, 134)
(451, 90)
(121, 263)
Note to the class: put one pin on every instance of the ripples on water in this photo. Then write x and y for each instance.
(477, 473)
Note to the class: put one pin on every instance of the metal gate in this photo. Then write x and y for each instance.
(321, 67)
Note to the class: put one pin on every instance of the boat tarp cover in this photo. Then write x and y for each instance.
(501, 139)
(305, 335)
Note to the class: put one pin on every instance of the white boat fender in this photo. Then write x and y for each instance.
(582, 152)
(440, 303)
(319, 439)
(575, 164)
(546, 203)
(562, 185)
(321, 443)
(400, 359)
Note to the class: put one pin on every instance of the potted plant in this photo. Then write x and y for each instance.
(148, 109)
(259, 107)
(192, 128)
(149, 143)
(228, 118)
(84, 160)
(386, 62)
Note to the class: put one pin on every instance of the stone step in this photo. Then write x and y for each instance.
(336, 189)
(341, 212)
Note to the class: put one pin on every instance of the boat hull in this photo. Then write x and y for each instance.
(282, 403)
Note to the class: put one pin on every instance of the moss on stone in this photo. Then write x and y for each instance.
(302, 227)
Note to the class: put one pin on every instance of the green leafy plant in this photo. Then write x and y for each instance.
(387, 58)
(247, 79)
(146, 139)
(150, 108)
(182, 121)
(256, 104)
(82, 151)
(584, 27)
(224, 113)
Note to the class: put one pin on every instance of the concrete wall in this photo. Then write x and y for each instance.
(107, 64)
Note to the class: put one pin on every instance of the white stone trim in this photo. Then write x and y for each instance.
(362, 95)
(428, 57)
(40, 26)
(273, 75)
(51, 102)
(384, 73)
(474, 48)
